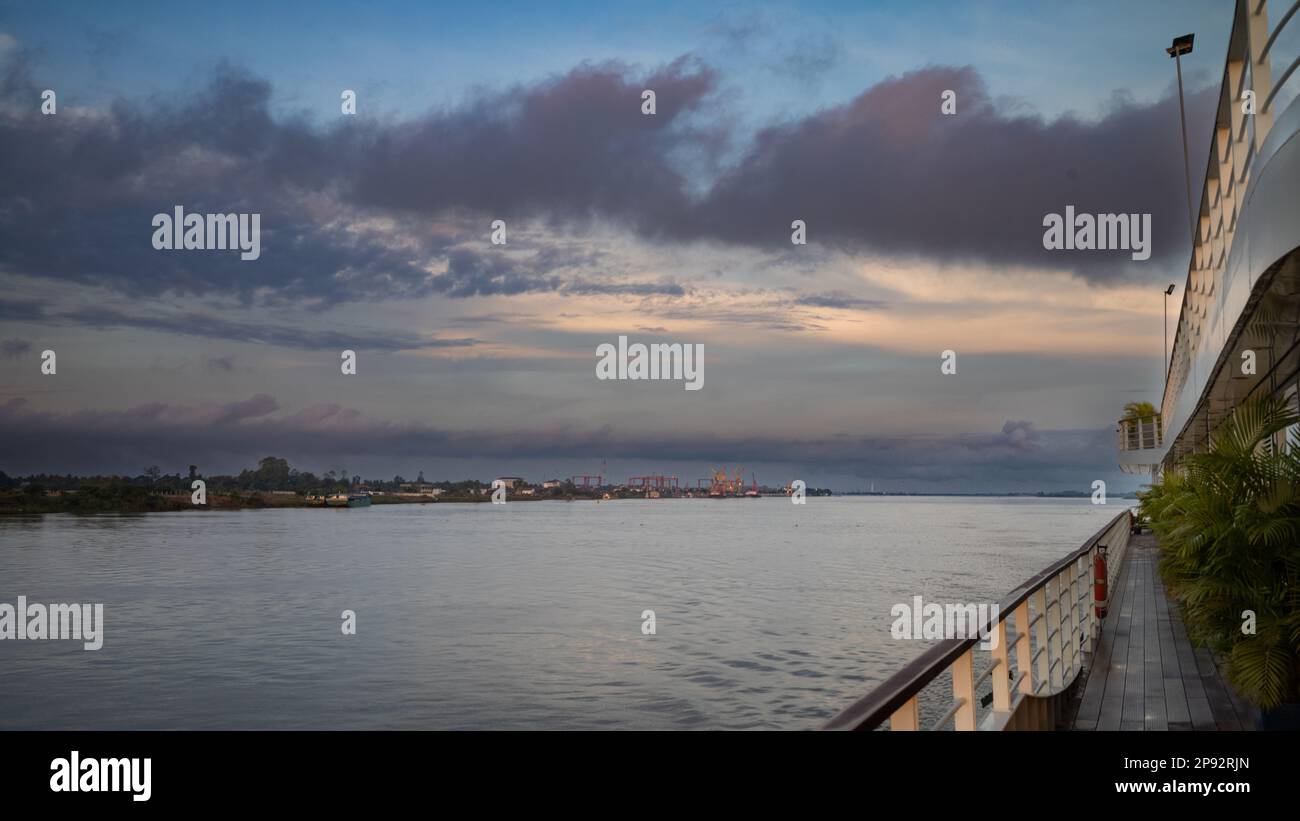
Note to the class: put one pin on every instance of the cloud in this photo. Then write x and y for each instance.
(205, 325)
(572, 148)
(1021, 434)
(838, 299)
(14, 348)
(803, 56)
(888, 172)
(663, 288)
(366, 209)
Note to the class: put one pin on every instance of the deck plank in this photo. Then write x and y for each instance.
(1134, 686)
(1145, 673)
(1117, 625)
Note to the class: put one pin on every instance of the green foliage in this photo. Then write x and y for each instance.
(1139, 410)
(1228, 521)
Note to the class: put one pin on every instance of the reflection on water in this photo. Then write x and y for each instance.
(526, 615)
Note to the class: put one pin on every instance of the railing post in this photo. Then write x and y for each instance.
(1067, 646)
(963, 687)
(1076, 662)
(1001, 675)
(907, 717)
(1024, 654)
(1054, 654)
(1090, 609)
(1040, 605)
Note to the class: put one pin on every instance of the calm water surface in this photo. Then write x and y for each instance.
(769, 615)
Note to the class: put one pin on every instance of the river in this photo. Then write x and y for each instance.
(519, 616)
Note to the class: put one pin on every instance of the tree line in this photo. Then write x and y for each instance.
(272, 473)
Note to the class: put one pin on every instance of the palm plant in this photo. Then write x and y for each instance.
(1228, 522)
(1139, 410)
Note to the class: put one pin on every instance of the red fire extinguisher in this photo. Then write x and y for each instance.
(1099, 581)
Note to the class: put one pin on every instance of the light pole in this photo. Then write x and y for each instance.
(1183, 45)
(1168, 291)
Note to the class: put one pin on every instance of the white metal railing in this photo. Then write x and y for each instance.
(1141, 434)
(1218, 282)
(1056, 624)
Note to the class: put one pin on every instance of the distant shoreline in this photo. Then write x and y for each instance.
(20, 503)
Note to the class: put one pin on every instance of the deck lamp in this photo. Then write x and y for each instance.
(1183, 45)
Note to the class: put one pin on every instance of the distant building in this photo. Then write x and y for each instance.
(528, 491)
(510, 482)
(420, 489)
(550, 483)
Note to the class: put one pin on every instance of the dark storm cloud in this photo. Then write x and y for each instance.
(570, 148)
(206, 325)
(81, 192)
(884, 172)
(160, 433)
(888, 171)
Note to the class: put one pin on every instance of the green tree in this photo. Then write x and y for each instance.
(1139, 410)
(272, 474)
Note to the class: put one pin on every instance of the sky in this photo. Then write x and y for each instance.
(822, 361)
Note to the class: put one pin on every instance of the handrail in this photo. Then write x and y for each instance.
(1146, 433)
(897, 696)
(950, 715)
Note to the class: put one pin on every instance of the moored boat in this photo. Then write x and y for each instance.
(348, 500)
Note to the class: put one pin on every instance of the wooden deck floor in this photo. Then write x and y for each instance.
(1145, 674)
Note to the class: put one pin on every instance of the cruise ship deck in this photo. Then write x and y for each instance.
(1145, 673)
(1055, 664)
